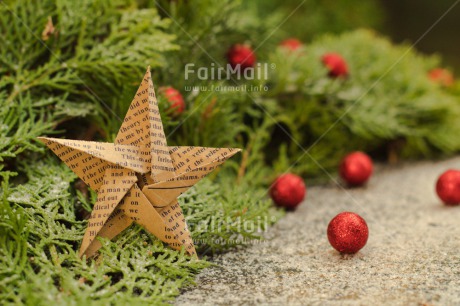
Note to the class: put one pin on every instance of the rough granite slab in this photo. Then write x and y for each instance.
(412, 256)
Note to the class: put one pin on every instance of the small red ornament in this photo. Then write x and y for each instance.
(241, 55)
(291, 44)
(175, 99)
(347, 232)
(442, 77)
(356, 168)
(288, 190)
(448, 187)
(335, 64)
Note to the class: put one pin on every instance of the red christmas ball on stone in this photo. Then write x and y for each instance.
(347, 232)
(291, 44)
(448, 187)
(288, 190)
(335, 64)
(442, 77)
(175, 99)
(241, 55)
(356, 168)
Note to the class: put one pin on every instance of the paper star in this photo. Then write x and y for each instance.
(138, 177)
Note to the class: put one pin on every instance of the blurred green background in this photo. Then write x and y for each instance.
(402, 20)
(407, 20)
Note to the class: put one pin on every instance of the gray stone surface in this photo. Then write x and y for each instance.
(412, 256)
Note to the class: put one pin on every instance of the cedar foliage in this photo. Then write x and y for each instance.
(78, 81)
(386, 105)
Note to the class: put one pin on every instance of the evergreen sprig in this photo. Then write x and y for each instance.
(82, 67)
(387, 103)
(43, 224)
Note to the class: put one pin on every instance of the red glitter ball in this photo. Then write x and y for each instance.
(291, 44)
(175, 99)
(356, 168)
(288, 190)
(241, 55)
(441, 76)
(347, 232)
(336, 65)
(448, 187)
